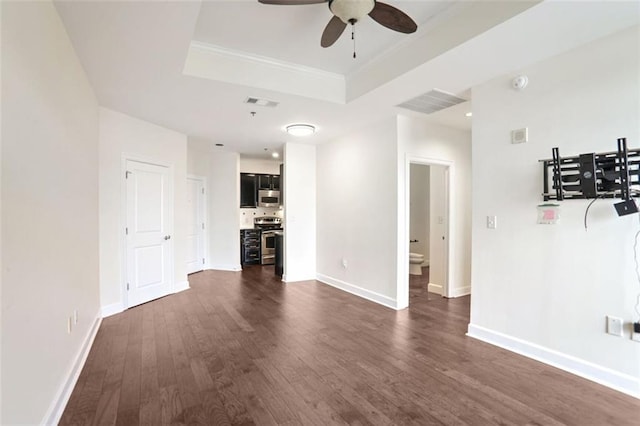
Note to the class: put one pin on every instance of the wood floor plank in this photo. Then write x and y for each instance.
(242, 348)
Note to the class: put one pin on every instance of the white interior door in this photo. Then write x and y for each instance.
(195, 224)
(149, 244)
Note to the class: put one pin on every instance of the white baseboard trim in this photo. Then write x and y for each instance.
(359, 291)
(610, 378)
(114, 308)
(460, 291)
(290, 280)
(226, 267)
(435, 288)
(53, 415)
(181, 286)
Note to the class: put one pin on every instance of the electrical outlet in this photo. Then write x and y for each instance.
(345, 264)
(492, 222)
(614, 326)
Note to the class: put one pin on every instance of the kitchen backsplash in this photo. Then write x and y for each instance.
(247, 215)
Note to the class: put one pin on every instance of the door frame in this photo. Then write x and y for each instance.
(205, 218)
(123, 221)
(404, 222)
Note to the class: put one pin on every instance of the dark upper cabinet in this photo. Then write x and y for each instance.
(269, 182)
(251, 183)
(264, 181)
(248, 190)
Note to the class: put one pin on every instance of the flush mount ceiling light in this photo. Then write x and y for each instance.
(301, 129)
(275, 155)
(469, 114)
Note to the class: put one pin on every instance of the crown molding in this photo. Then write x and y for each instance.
(232, 66)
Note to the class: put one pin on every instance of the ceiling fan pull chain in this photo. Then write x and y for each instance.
(353, 37)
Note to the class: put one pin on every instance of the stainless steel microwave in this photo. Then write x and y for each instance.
(268, 198)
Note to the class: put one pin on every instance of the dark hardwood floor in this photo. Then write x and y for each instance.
(244, 348)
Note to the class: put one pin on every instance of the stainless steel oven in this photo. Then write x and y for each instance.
(268, 226)
(268, 247)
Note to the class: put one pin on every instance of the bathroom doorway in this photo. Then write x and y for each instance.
(427, 212)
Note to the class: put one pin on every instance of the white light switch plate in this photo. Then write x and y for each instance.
(614, 326)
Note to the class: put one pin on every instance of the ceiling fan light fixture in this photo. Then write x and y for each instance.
(300, 129)
(351, 11)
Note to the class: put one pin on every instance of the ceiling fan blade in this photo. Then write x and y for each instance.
(332, 31)
(393, 18)
(292, 2)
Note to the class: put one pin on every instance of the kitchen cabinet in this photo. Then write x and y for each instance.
(250, 247)
(248, 190)
(251, 183)
(279, 260)
(269, 182)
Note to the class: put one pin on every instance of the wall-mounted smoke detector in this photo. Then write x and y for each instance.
(261, 102)
(432, 101)
(520, 82)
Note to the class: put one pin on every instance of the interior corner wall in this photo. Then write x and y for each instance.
(438, 226)
(49, 211)
(224, 205)
(1, 213)
(418, 138)
(545, 289)
(300, 212)
(357, 212)
(124, 136)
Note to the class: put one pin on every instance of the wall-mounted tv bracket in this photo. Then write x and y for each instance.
(594, 175)
(627, 206)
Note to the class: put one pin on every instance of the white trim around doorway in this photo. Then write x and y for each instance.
(403, 226)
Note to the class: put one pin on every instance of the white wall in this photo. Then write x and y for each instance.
(1, 304)
(420, 139)
(257, 165)
(439, 229)
(124, 136)
(49, 211)
(545, 290)
(357, 192)
(222, 171)
(300, 212)
(419, 215)
(224, 232)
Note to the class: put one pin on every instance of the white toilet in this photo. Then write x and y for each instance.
(415, 263)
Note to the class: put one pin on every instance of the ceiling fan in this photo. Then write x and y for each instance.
(351, 11)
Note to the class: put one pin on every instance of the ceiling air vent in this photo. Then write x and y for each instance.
(433, 101)
(261, 102)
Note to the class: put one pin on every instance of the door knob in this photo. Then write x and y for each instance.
(167, 237)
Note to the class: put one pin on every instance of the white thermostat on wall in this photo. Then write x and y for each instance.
(520, 135)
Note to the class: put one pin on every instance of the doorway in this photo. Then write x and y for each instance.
(148, 232)
(196, 214)
(430, 233)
